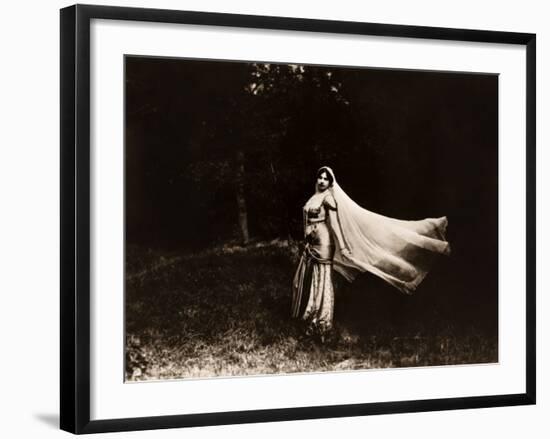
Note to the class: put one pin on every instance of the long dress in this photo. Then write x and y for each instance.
(313, 291)
(340, 234)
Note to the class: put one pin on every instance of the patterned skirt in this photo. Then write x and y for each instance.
(312, 289)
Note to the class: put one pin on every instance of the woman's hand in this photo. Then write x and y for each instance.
(346, 253)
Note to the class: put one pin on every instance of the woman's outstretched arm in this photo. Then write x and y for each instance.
(334, 222)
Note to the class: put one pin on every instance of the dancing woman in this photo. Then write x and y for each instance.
(341, 235)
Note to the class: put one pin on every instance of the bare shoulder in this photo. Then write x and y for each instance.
(330, 202)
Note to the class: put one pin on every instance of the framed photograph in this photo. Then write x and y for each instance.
(275, 218)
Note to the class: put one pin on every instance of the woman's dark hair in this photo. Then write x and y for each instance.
(328, 174)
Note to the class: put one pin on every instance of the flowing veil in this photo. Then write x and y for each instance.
(398, 251)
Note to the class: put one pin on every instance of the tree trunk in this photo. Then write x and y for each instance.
(241, 200)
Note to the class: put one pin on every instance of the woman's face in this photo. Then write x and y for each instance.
(323, 182)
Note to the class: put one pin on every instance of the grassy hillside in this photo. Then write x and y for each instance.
(225, 312)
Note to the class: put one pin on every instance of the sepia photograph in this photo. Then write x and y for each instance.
(296, 218)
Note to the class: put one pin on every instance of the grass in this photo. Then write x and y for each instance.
(225, 312)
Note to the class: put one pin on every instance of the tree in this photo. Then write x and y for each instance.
(238, 142)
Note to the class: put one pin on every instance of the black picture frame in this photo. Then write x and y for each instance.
(76, 211)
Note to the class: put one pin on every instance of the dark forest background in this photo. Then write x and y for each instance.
(225, 153)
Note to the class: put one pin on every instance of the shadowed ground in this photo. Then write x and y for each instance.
(225, 312)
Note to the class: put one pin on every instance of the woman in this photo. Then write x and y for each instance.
(342, 235)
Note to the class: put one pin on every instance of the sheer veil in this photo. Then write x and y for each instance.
(398, 251)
